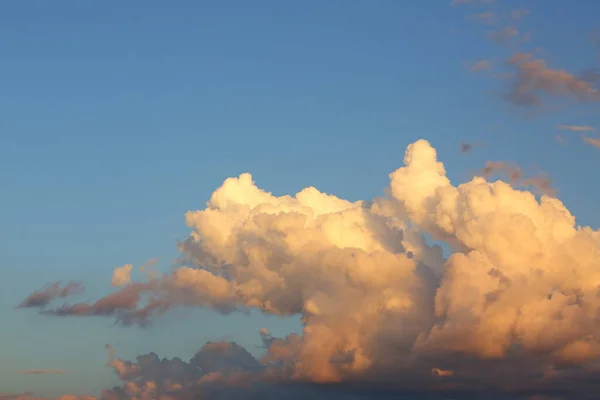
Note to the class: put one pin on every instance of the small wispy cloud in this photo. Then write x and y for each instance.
(541, 183)
(42, 297)
(15, 396)
(518, 14)
(481, 65)
(482, 17)
(504, 34)
(534, 78)
(592, 141)
(42, 372)
(577, 128)
(441, 372)
(466, 147)
(503, 75)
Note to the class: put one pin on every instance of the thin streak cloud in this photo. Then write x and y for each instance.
(577, 128)
(42, 372)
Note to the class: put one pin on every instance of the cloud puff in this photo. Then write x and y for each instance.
(592, 141)
(515, 176)
(215, 364)
(481, 65)
(465, 147)
(517, 298)
(43, 297)
(504, 34)
(122, 275)
(535, 80)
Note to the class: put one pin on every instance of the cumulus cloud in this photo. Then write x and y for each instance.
(517, 298)
(215, 364)
(535, 80)
(43, 297)
(122, 275)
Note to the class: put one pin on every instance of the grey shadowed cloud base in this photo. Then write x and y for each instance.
(511, 313)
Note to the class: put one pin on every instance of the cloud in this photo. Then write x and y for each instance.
(512, 310)
(441, 372)
(122, 275)
(481, 65)
(149, 263)
(518, 14)
(41, 371)
(215, 364)
(535, 80)
(485, 17)
(577, 128)
(592, 141)
(43, 297)
(504, 34)
(516, 176)
(31, 396)
(15, 396)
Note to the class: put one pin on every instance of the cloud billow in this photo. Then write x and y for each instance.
(518, 297)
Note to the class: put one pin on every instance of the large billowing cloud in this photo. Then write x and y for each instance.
(513, 309)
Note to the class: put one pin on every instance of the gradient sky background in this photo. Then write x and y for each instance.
(118, 117)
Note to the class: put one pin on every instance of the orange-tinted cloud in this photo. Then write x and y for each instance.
(592, 141)
(535, 80)
(577, 128)
(41, 371)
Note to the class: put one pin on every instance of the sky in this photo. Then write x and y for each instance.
(120, 117)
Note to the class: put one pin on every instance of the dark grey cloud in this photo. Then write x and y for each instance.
(43, 297)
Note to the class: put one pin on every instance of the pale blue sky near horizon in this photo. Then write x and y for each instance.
(118, 117)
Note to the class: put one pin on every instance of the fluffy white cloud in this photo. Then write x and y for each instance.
(522, 280)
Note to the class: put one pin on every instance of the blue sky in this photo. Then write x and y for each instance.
(118, 117)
